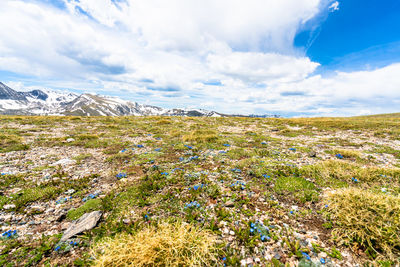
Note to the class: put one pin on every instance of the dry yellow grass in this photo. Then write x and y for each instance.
(167, 244)
(371, 220)
(330, 170)
(347, 153)
(200, 136)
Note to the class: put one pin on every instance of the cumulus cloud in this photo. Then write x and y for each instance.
(228, 55)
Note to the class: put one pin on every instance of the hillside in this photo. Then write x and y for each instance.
(156, 191)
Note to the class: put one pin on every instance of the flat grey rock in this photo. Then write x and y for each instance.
(229, 204)
(86, 222)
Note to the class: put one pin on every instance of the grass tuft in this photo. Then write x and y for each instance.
(167, 244)
(368, 219)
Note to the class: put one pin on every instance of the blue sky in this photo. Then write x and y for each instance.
(360, 33)
(289, 57)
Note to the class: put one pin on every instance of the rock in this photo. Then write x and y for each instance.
(231, 232)
(70, 192)
(86, 222)
(126, 221)
(322, 255)
(229, 204)
(61, 217)
(64, 162)
(69, 140)
(312, 154)
(16, 190)
(9, 206)
(50, 210)
(249, 261)
(37, 209)
(277, 256)
(304, 243)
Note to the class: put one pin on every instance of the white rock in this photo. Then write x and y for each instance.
(249, 261)
(231, 232)
(70, 192)
(322, 255)
(9, 206)
(64, 162)
(69, 140)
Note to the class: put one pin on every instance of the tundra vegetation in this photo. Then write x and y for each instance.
(188, 191)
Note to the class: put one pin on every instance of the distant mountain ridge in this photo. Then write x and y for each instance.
(46, 102)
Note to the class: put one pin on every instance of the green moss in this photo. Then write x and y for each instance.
(297, 187)
(88, 206)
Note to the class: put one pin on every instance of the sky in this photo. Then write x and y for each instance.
(288, 57)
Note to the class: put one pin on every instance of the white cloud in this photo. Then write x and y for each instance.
(334, 6)
(150, 50)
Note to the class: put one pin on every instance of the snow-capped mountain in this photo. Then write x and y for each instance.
(45, 102)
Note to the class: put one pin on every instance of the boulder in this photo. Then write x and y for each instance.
(87, 222)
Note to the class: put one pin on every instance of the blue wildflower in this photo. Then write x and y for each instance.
(306, 256)
(322, 260)
(189, 147)
(121, 175)
(339, 156)
(227, 145)
(194, 158)
(57, 248)
(192, 204)
(10, 234)
(292, 149)
(355, 180)
(157, 149)
(140, 146)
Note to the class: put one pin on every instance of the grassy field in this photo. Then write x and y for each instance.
(201, 191)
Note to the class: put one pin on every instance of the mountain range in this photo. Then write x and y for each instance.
(47, 102)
